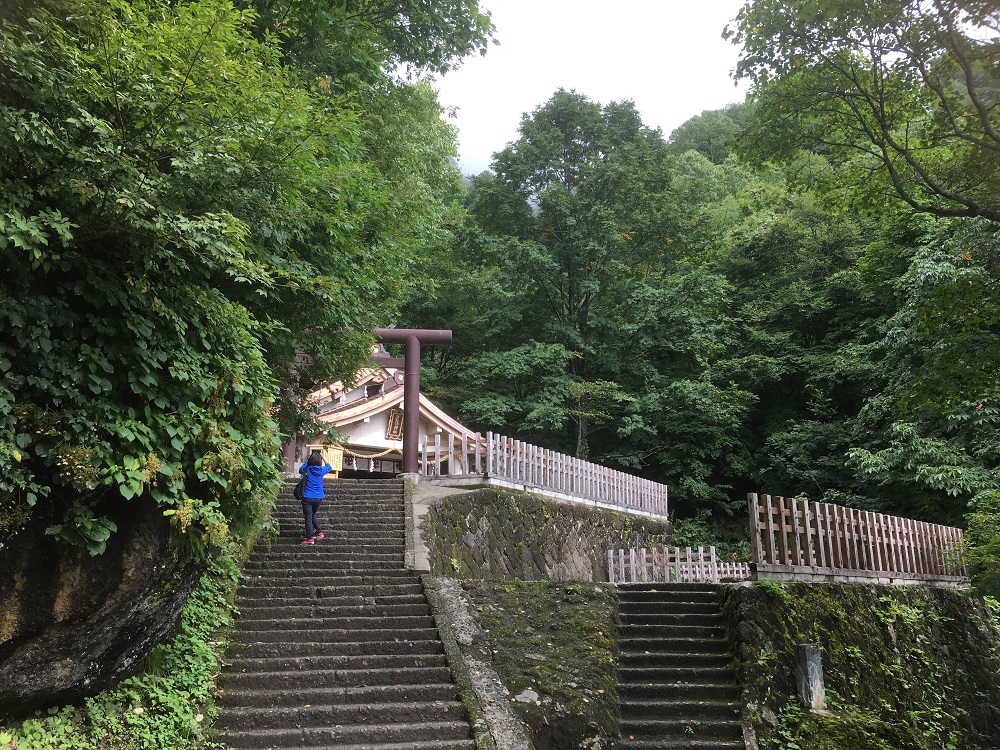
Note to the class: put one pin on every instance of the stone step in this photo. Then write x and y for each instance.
(729, 729)
(267, 610)
(684, 588)
(680, 709)
(367, 695)
(401, 587)
(630, 608)
(720, 669)
(629, 596)
(313, 715)
(360, 522)
(290, 635)
(366, 735)
(319, 649)
(335, 645)
(692, 647)
(713, 619)
(681, 743)
(676, 685)
(669, 632)
(282, 588)
(357, 538)
(328, 678)
(323, 560)
(349, 514)
(327, 578)
(335, 624)
(662, 691)
(357, 661)
(245, 605)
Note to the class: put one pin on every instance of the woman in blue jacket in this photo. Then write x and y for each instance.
(312, 495)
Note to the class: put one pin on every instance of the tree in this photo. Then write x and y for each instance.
(910, 86)
(712, 133)
(358, 40)
(181, 220)
(573, 193)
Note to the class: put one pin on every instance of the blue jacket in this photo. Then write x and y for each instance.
(314, 480)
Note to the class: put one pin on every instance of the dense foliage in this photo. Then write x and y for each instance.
(796, 295)
(192, 201)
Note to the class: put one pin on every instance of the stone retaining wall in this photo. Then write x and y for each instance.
(500, 534)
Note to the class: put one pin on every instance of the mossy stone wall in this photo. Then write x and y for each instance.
(905, 668)
(553, 646)
(500, 534)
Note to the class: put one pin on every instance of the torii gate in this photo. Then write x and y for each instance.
(411, 338)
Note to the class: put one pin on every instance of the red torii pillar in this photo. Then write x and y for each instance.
(412, 338)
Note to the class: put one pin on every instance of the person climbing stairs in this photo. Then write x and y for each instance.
(334, 645)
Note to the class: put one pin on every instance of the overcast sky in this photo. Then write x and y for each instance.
(668, 56)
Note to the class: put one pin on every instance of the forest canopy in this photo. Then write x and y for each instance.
(794, 295)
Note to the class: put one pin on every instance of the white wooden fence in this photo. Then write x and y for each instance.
(501, 458)
(672, 565)
(529, 465)
(454, 455)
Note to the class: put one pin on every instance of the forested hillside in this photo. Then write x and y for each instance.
(796, 295)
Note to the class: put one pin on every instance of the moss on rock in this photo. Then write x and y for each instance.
(553, 645)
(505, 534)
(905, 667)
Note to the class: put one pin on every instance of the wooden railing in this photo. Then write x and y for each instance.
(529, 465)
(803, 537)
(672, 565)
(452, 454)
(501, 458)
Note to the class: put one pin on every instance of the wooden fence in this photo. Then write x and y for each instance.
(803, 537)
(501, 458)
(529, 465)
(452, 454)
(672, 565)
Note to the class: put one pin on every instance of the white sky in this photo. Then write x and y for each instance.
(668, 56)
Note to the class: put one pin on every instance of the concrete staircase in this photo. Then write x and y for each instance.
(335, 646)
(675, 681)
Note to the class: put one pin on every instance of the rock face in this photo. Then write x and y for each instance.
(71, 625)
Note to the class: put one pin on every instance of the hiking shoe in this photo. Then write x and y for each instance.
(307, 541)
(320, 535)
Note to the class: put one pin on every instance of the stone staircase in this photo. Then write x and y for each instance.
(334, 646)
(675, 680)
